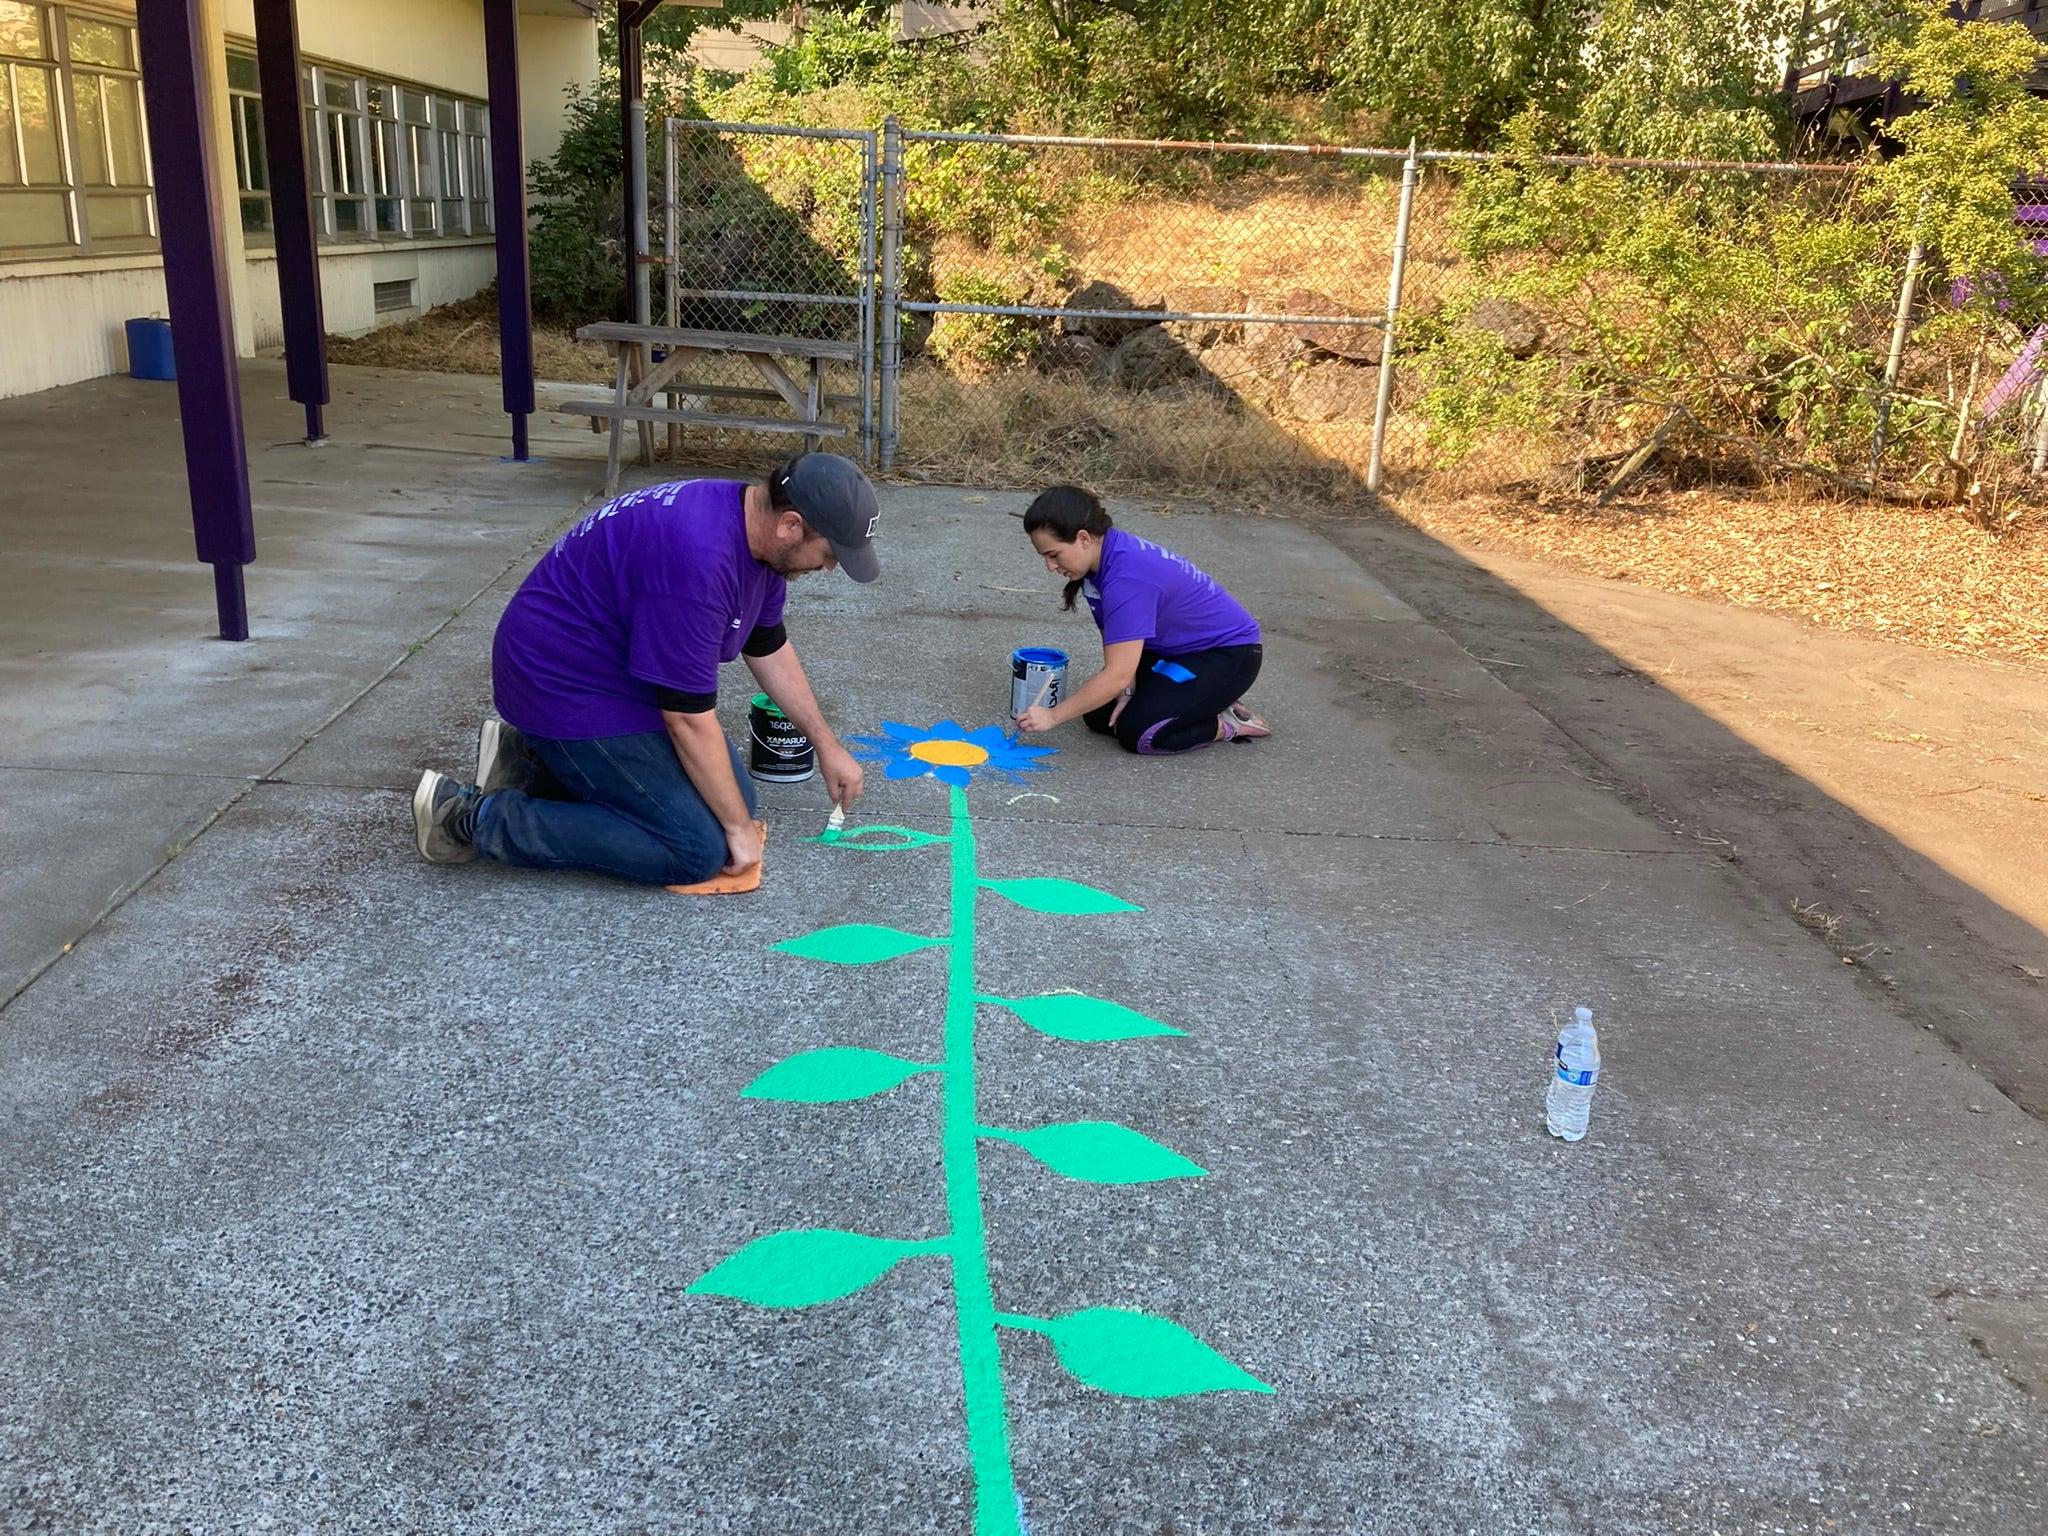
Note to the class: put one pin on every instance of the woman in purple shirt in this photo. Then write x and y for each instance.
(1178, 652)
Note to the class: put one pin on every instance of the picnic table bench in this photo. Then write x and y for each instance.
(641, 378)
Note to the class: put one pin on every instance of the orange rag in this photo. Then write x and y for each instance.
(748, 879)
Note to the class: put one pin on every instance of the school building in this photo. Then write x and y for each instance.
(395, 102)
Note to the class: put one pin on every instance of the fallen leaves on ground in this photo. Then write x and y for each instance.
(1926, 577)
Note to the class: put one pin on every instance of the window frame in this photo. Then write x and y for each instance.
(440, 181)
(251, 144)
(404, 160)
(77, 194)
(336, 131)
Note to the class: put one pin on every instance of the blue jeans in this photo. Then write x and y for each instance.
(628, 809)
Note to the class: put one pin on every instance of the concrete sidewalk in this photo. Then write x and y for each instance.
(124, 726)
(345, 1193)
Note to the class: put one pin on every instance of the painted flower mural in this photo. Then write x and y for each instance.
(1114, 1349)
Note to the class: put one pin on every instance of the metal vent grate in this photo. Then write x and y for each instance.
(396, 294)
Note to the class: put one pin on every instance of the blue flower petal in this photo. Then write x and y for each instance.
(993, 737)
(946, 730)
(902, 732)
(947, 773)
(905, 768)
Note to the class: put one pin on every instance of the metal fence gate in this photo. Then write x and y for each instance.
(748, 244)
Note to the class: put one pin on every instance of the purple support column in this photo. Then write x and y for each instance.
(175, 69)
(291, 210)
(508, 205)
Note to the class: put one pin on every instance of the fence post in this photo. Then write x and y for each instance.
(870, 171)
(1900, 323)
(891, 323)
(1376, 466)
(671, 305)
(636, 204)
(2041, 429)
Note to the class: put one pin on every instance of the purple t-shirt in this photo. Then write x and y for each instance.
(652, 590)
(1142, 591)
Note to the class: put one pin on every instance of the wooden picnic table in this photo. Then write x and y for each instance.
(640, 379)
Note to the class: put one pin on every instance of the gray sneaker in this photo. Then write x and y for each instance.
(503, 759)
(438, 805)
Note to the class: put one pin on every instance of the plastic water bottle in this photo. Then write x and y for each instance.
(1578, 1073)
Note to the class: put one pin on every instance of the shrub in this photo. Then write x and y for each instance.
(980, 343)
(576, 231)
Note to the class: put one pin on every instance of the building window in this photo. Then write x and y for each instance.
(476, 172)
(384, 161)
(340, 149)
(422, 173)
(394, 161)
(387, 161)
(448, 155)
(106, 98)
(74, 158)
(252, 170)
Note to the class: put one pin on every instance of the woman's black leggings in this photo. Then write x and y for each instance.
(1165, 716)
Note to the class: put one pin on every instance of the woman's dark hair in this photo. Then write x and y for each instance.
(1064, 511)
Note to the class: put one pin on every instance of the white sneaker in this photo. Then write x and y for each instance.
(503, 759)
(436, 803)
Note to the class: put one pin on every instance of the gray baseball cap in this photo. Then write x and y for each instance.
(835, 498)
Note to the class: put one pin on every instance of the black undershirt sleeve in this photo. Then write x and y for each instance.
(766, 640)
(677, 702)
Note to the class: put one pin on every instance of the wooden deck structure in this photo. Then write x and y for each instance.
(1829, 67)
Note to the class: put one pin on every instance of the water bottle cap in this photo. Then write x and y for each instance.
(1583, 1014)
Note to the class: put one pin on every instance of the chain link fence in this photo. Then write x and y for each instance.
(1269, 322)
(767, 230)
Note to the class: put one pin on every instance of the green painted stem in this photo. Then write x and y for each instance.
(981, 1359)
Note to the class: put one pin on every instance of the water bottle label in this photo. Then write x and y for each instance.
(1577, 1079)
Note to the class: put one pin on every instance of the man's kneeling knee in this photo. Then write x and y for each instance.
(687, 865)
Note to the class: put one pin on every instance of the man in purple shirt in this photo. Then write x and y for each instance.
(609, 755)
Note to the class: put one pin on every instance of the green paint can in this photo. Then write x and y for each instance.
(780, 753)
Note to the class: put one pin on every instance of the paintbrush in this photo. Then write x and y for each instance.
(836, 822)
(1043, 689)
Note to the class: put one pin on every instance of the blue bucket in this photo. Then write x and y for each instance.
(1030, 667)
(150, 354)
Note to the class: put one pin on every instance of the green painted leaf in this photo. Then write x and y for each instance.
(880, 838)
(1100, 1152)
(1114, 1349)
(1071, 1016)
(1068, 898)
(855, 944)
(832, 1075)
(804, 1267)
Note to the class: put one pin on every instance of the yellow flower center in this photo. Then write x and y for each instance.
(949, 754)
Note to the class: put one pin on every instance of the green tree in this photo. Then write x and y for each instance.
(1453, 72)
(1975, 134)
(1685, 80)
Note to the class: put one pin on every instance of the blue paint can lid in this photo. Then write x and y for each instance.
(1039, 656)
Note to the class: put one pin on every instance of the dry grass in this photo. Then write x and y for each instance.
(1024, 428)
(1319, 228)
(463, 338)
(1928, 577)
